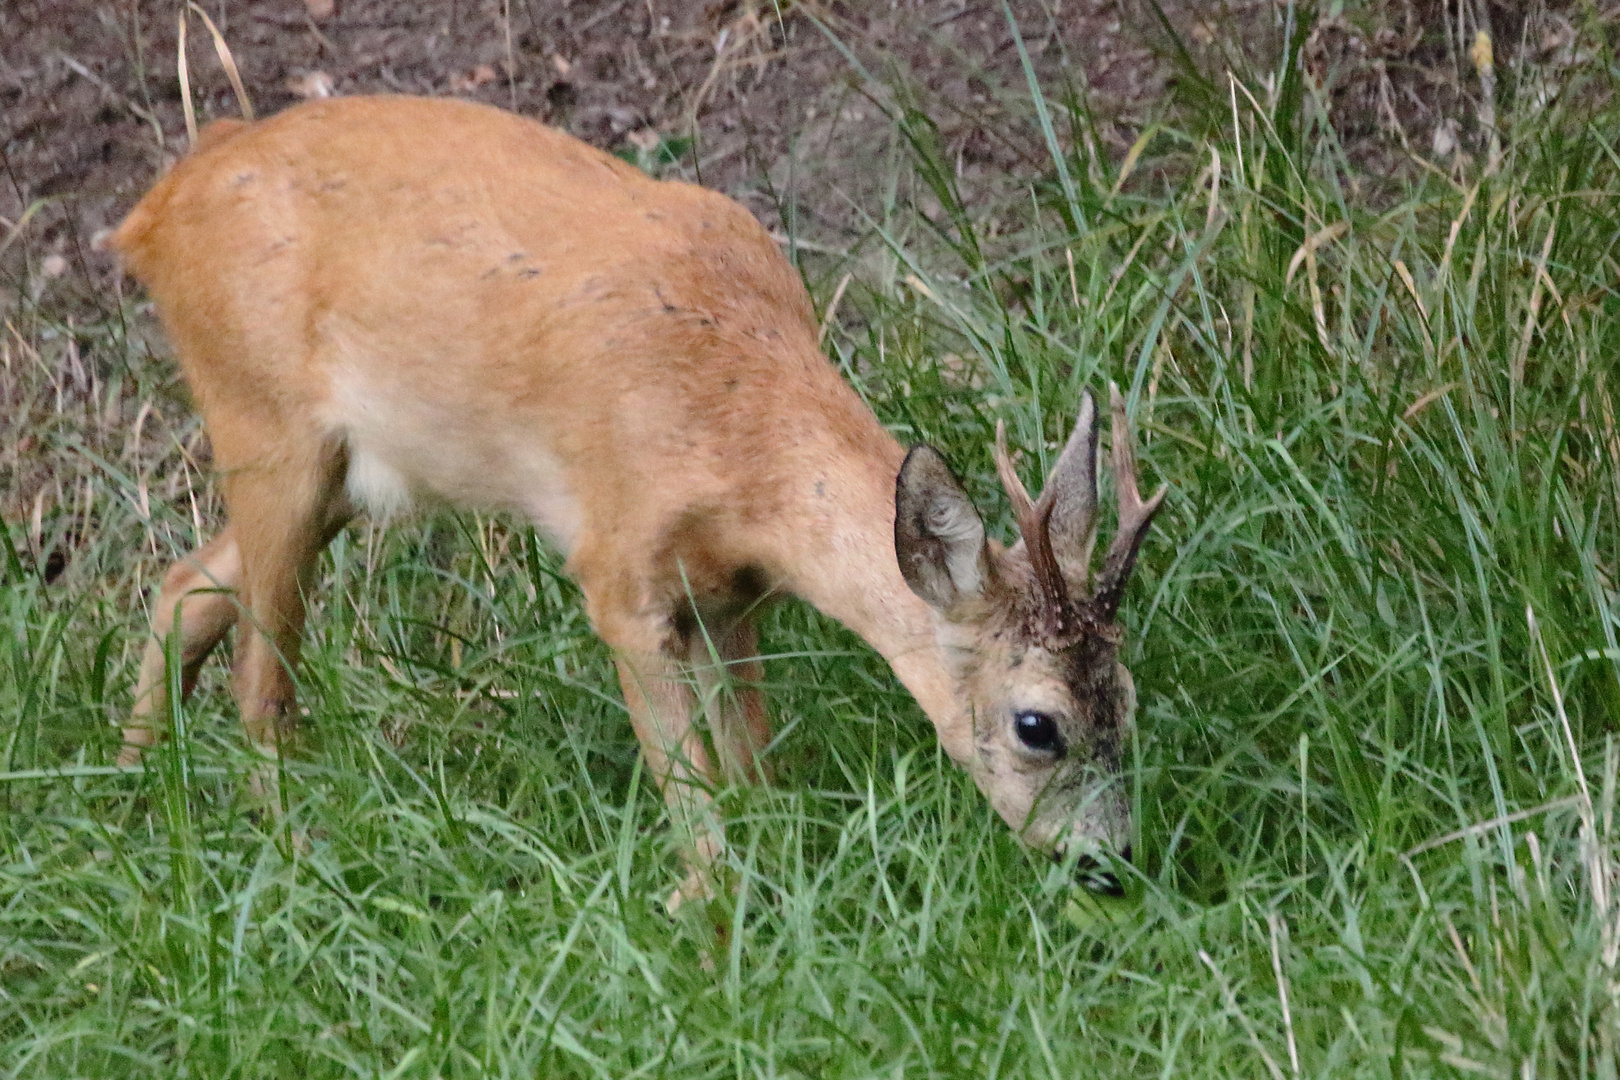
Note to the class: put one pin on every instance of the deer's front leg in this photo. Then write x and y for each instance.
(659, 695)
(728, 672)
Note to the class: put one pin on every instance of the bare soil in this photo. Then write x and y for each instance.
(752, 97)
(753, 100)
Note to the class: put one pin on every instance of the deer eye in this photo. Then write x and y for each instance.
(1039, 732)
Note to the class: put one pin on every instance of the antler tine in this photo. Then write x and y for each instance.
(1134, 515)
(1035, 525)
(1073, 483)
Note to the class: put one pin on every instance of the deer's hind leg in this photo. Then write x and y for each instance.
(285, 510)
(197, 597)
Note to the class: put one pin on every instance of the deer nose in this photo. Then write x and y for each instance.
(1098, 877)
(1097, 874)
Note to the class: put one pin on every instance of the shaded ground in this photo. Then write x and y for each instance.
(752, 97)
(755, 102)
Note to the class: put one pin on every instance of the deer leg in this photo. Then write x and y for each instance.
(196, 593)
(658, 693)
(729, 672)
(284, 515)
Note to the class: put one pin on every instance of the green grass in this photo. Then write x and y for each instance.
(1374, 638)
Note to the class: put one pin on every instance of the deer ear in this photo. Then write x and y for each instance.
(938, 535)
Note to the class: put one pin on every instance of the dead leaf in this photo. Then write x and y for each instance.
(481, 75)
(1445, 138)
(1482, 55)
(1317, 240)
(314, 84)
(1428, 399)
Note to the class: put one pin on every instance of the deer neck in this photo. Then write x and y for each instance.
(840, 558)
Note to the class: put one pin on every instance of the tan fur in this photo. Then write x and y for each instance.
(388, 302)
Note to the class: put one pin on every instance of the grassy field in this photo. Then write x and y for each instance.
(1374, 636)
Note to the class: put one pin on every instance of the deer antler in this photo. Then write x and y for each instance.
(1134, 515)
(1055, 621)
(1073, 485)
(1035, 525)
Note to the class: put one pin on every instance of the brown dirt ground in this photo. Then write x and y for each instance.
(778, 116)
(92, 114)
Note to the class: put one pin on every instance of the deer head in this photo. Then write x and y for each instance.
(1032, 640)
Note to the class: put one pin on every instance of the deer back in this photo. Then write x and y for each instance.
(488, 312)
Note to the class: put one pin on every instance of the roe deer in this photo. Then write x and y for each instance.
(386, 302)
